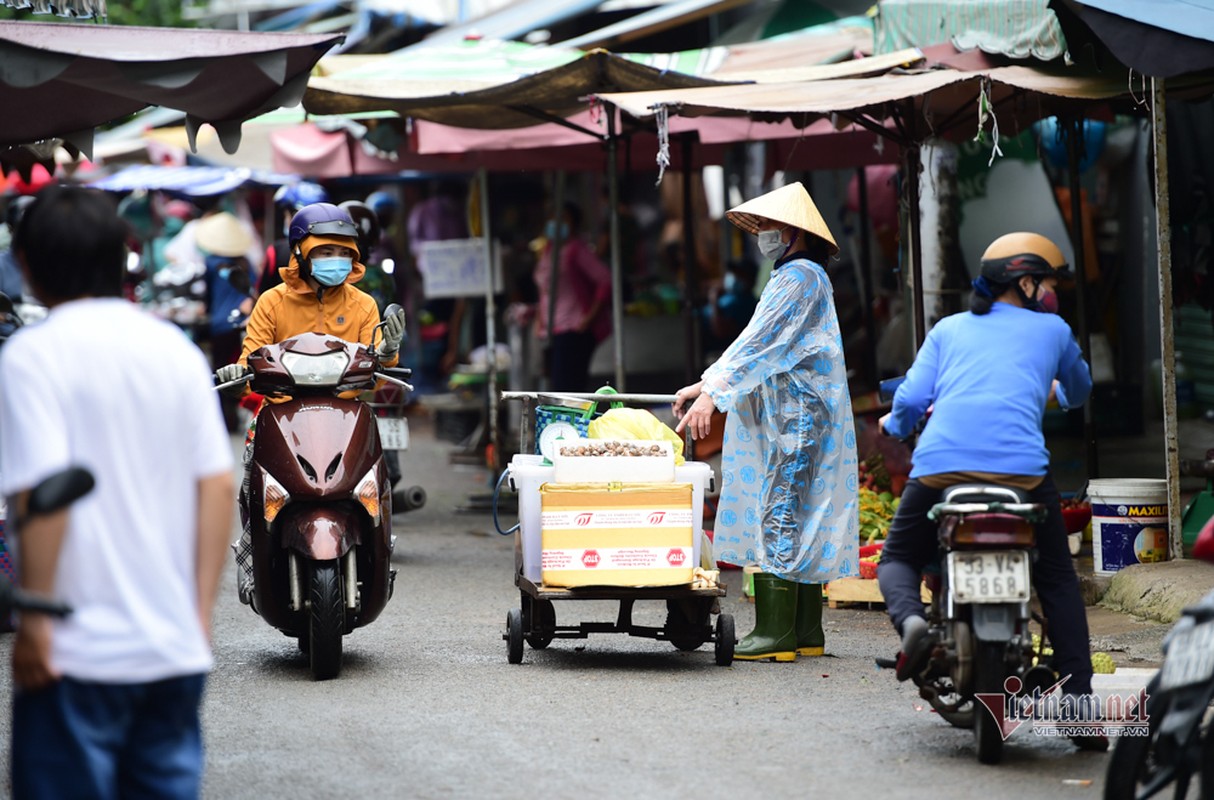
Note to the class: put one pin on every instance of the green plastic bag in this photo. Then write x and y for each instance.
(631, 424)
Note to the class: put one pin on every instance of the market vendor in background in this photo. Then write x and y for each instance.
(731, 303)
(229, 301)
(988, 374)
(788, 498)
(583, 304)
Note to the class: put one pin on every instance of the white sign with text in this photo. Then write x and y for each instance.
(456, 268)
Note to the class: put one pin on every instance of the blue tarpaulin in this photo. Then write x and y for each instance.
(192, 181)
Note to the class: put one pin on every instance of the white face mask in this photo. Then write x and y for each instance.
(771, 245)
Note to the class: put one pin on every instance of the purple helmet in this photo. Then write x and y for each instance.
(321, 219)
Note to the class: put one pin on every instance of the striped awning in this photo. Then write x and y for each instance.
(1013, 28)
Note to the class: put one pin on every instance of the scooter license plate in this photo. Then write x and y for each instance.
(989, 577)
(393, 432)
(1190, 657)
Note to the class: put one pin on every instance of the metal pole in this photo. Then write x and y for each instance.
(691, 286)
(554, 261)
(1163, 235)
(866, 275)
(919, 328)
(1091, 454)
(490, 322)
(617, 270)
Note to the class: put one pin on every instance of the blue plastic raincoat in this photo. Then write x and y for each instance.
(789, 495)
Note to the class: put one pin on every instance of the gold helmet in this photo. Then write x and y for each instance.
(1015, 255)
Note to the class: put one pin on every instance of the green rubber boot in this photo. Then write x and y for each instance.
(811, 639)
(775, 634)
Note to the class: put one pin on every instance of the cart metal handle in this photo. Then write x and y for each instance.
(614, 398)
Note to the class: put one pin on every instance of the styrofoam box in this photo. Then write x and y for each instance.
(528, 473)
(609, 469)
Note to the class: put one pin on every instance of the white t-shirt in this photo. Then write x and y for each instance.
(102, 385)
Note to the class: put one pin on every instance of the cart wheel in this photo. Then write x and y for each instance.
(725, 640)
(685, 633)
(543, 624)
(514, 636)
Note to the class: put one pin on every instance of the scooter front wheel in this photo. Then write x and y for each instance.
(326, 620)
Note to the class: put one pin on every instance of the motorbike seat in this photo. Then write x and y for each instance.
(984, 493)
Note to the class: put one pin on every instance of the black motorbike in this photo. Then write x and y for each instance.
(1179, 740)
(53, 494)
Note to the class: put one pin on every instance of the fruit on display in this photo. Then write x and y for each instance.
(876, 513)
(594, 447)
(873, 474)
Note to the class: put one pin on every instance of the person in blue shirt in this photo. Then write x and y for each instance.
(986, 376)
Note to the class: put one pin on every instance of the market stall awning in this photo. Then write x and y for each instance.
(1162, 38)
(192, 181)
(478, 84)
(63, 80)
(1013, 28)
(935, 101)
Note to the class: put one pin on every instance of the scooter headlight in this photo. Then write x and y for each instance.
(367, 494)
(273, 497)
(322, 370)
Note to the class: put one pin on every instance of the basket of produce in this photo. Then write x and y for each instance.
(870, 557)
(1076, 514)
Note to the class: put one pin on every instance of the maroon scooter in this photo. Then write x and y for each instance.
(318, 499)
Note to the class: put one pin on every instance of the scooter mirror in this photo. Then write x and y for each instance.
(60, 490)
(393, 308)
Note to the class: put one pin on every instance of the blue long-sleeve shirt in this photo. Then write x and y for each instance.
(989, 377)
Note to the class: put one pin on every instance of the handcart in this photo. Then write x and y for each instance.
(689, 607)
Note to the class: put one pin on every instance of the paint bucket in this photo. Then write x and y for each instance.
(1129, 522)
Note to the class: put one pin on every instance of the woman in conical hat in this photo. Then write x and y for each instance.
(789, 487)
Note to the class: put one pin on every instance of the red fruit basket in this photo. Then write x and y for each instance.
(1076, 518)
(868, 569)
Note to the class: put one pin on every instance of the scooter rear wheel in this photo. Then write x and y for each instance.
(326, 620)
(989, 672)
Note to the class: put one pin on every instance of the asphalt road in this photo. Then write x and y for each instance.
(427, 705)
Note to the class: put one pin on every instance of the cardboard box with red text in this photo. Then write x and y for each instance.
(630, 534)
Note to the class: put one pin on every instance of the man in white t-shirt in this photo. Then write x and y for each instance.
(106, 702)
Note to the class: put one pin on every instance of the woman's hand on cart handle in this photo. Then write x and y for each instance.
(684, 396)
(698, 419)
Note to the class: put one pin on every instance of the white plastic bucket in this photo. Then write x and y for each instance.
(1129, 522)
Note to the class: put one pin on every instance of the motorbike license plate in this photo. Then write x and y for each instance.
(1190, 657)
(393, 432)
(989, 577)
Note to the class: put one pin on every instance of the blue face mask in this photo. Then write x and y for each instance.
(550, 230)
(331, 271)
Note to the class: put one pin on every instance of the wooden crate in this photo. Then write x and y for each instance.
(846, 592)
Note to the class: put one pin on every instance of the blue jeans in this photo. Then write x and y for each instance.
(107, 741)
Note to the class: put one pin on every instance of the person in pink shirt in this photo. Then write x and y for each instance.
(582, 316)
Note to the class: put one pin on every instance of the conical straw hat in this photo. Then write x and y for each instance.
(790, 205)
(222, 235)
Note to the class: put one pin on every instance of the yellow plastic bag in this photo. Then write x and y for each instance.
(630, 424)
